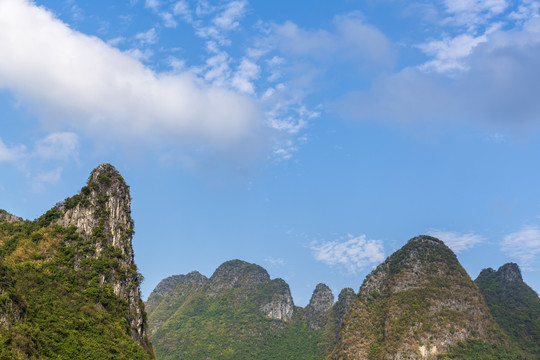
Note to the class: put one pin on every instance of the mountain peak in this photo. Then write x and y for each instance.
(403, 306)
(237, 273)
(510, 272)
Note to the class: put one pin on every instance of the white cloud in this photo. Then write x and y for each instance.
(147, 38)
(228, 18)
(9, 154)
(455, 241)
(71, 78)
(152, 4)
(354, 254)
(59, 146)
(474, 12)
(246, 73)
(449, 52)
(523, 245)
(168, 19)
(181, 8)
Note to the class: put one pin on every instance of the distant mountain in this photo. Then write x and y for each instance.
(514, 305)
(420, 303)
(240, 313)
(69, 288)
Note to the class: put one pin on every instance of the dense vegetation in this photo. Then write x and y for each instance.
(515, 307)
(192, 317)
(55, 299)
(207, 327)
(419, 299)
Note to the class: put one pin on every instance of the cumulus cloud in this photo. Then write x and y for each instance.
(523, 245)
(354, 254)
(455, 241)
(87, 84)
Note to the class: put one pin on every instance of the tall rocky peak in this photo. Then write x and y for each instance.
(345, 299)
(510, 273)
(321, 302)
(7, 217)
(101, 212)
(514, 305)
(417, 304)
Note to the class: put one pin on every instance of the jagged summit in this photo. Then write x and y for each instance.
(322, 300)
(510, 272)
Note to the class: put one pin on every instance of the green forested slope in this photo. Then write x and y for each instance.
(514, 305)
(51, 303)
(239, 313)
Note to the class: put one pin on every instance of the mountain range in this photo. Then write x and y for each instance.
(69, 289)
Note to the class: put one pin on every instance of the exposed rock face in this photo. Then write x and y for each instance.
(7, 217)
(280, 306)
(415, 305)
(319, 305)
(510, 273)
(102, 212)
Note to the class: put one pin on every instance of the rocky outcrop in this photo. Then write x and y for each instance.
(279, 305)
(7, 217)
(417, 304)
(319, 305)
(101, 212)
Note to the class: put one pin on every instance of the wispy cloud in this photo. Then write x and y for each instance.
(456, 241)
(354, 253)
(523, 245)
(10, 153)
(274, 261)
(59, 145)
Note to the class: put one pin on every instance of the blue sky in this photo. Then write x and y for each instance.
(311, 137)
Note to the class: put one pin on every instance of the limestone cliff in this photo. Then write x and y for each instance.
(417, 304)
(102, 213)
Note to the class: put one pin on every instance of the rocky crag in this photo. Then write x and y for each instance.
(240, 313)
(419, 304)
(514, 305)
(102, 213)
(83, 246)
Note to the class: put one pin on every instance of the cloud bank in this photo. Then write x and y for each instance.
(83, 83)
